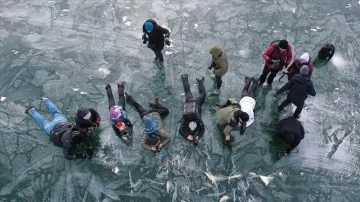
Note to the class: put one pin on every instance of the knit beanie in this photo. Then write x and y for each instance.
(149, 27)
(83, 113)
(304, 70)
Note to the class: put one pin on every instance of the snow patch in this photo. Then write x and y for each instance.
(168, 52)
(2, 99)
(195, 26)
(75, 89)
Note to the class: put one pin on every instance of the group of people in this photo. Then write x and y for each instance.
(233, 115)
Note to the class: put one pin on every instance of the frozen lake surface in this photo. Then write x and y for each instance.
(68, 50)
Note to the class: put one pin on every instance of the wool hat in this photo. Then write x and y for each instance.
(149, 27)
(83, 113)
(304, 70)
(305, 57)
(283, 44)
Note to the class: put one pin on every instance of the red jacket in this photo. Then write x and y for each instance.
(273, 52)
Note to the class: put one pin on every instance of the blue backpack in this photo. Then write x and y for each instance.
(151, 126)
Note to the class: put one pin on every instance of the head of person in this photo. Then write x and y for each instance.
(241, 117)
(304, 58)
(289, 138)
(304, 70)
(192, 125)
(283, 45)
(121, 126)
(83, 114)
(149, 26)
(216, 51)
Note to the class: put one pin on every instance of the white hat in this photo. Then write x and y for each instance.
(192, 125)
(87, 116)
(305, 57)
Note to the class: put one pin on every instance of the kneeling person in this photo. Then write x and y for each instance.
(291, 131)
(192, 127)
(155, 137)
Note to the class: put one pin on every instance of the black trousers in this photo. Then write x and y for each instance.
(264, 74)
(286, 102)
(250, 87)
(188, 95)
(121, 97)
(142, 111)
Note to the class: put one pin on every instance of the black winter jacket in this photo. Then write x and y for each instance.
(63, 134)
(156, 37)
(290, 126)
(300, 86)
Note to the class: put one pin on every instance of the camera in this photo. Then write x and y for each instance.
(195, 142)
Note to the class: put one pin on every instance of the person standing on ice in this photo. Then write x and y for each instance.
(155, 36)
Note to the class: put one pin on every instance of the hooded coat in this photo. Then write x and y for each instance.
(300, 86)
(290, 127)
(219, 60)
(225, 116)
(157, 36)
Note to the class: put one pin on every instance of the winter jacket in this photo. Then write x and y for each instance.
(295, 67)
(219, 60)
(291, 131)
(164, 136)
(247, 104)
(156, 37)
(273, 52)
(225, 117)
(300, 86)
(63, 136)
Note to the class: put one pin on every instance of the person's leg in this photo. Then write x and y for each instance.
(218, 82)
(42, 122)
(271, 77)
(162, 110)
(159, 55)
(57, 115)
(285, 103)
(252, 90)
(186, 86)
(110, 95)
(264, 74)
(245, 91)
(297, 111)
(202, 94)
(121, 86)
(141, 110)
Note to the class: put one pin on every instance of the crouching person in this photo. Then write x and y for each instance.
(155, 137)
(291, 131)
(230, 117)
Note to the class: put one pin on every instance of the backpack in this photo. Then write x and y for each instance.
(326, 52)
(191, 111)
(151, 126)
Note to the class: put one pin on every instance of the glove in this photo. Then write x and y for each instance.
(284, 71)
(167, 41)
(144, 38)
